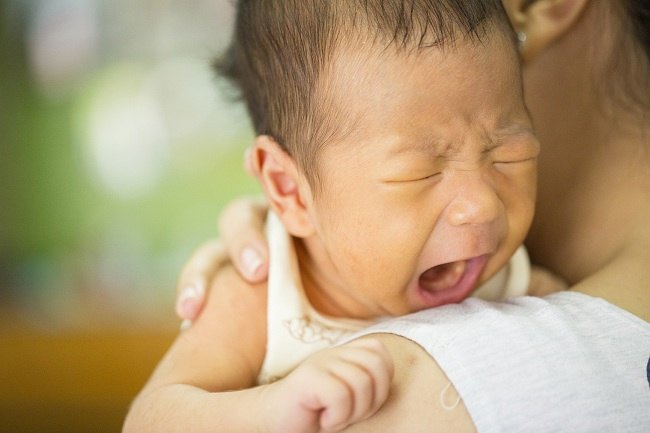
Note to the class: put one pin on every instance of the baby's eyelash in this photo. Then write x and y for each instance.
(412, 180)
(430, 176)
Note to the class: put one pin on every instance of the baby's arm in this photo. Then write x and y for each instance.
(331, 390)
(205, 381)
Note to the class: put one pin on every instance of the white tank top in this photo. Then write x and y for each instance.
(564, 363)
(295, 329)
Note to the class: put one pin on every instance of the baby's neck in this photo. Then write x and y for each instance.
(326, 293)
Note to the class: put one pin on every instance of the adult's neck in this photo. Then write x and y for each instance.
(594, 184)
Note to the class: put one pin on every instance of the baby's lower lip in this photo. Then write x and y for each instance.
(458, 282)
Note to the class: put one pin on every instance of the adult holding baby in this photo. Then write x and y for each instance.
(587, 85)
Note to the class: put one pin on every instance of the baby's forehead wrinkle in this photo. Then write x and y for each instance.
(437, 146)
(513, 129)
(430, 145)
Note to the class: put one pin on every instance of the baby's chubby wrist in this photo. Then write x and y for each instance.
(278, 405)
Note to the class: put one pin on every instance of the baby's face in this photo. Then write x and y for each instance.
(433, 189)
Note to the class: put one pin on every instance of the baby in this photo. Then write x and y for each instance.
(398, 158)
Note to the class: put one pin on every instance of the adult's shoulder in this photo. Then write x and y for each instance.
(567, 362)
(422, 398)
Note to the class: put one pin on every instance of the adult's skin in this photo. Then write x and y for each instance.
(586, 78)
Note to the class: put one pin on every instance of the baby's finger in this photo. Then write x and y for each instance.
(194, 278)
(360, 399)
(335, 397)
(242, 230)
(380, 366)
(372, 385)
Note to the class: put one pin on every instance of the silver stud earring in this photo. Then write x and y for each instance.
(521, 39)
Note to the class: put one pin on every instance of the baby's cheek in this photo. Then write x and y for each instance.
(389, 264)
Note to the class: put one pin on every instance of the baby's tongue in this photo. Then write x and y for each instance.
(443, 277)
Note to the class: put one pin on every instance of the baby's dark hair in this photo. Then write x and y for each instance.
(281, 49)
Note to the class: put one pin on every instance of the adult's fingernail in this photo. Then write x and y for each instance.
(188, 301)
(251, 261)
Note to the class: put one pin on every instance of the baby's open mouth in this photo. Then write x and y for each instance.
(443, 276)
(450, 282)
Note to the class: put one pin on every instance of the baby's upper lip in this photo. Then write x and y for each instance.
(486, 252)
(462, 244)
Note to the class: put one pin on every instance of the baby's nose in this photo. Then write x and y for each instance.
(475, 203)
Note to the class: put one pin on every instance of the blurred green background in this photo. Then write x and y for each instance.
(118, 148)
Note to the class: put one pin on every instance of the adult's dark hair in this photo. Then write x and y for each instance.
(639, 15)
(638, 12)
(281, 49)
(625, 76)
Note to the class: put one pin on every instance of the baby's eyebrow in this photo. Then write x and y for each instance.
(430, 145)
(436, 146)
(513, 129)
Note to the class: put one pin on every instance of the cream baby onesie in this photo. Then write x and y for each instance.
(295, 329)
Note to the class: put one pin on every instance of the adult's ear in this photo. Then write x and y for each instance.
(286, 189)
(539, 23)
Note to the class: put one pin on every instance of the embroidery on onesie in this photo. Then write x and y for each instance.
(308, 331)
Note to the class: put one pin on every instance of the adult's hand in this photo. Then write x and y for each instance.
(241, 226)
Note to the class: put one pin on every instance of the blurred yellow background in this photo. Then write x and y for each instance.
(118, 147)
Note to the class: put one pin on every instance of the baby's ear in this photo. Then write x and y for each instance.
(287, 190)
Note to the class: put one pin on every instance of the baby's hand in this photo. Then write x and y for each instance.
(331, 390)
